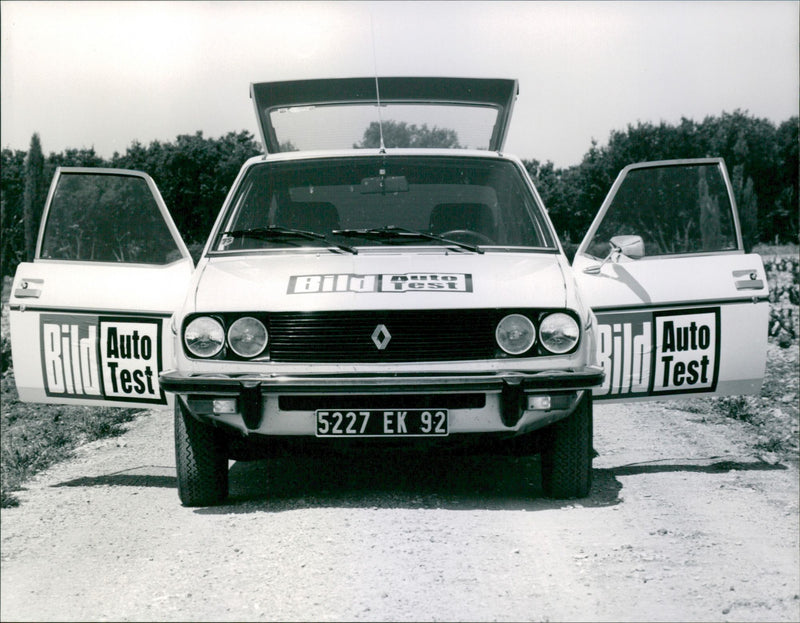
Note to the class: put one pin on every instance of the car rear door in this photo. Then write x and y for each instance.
(90, 315)
(690, 315)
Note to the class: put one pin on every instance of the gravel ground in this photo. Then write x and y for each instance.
(685, 523)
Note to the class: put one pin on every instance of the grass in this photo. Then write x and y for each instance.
(773, 416)
(37, 436)
(765, 250)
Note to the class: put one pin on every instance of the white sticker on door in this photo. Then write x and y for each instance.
(101, 357)
(686, 351)
(649, 353)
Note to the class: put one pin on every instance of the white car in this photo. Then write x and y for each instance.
(386, 296)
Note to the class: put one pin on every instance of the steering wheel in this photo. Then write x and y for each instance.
(468, 236)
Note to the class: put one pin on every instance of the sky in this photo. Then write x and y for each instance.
(105, 74)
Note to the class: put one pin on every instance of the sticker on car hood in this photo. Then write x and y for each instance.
(395, 282)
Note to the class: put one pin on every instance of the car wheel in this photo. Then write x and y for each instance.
(200, 459)
(567, 456)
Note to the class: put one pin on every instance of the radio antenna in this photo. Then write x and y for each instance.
(377, 88)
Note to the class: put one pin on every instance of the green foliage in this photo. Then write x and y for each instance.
(736, 408)
(402, 134)
(747, 202)
(108, 219)
(5, 353)
(766, 158)
(33, 197)
(35, 438)
(673, 209)
(194, 174)
(12, 188)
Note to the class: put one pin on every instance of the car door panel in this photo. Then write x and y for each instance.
(85, 330)
(676, 323)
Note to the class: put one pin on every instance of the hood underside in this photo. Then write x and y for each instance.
(273, 99)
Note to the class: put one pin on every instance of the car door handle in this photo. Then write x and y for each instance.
(752, 282)
(29, 289)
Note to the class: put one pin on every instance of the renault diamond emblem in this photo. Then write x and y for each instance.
(381, 337)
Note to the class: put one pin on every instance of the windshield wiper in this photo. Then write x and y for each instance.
(396, 233)
(276, 233)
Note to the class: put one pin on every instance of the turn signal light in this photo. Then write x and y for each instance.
(539, 403)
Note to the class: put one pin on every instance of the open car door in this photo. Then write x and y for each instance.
(682, 309)
(90, 315)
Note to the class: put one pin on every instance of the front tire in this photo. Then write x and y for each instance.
(200, 460)
(567, 456)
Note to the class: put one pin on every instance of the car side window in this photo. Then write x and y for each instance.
(675, 209)
(100, 217)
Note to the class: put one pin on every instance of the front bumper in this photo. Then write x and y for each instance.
(285, 404)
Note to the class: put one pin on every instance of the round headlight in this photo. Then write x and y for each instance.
(204, 336)
(247, 337)
(559, 333)
(515, 334)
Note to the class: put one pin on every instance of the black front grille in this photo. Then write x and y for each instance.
(382, 401)
(346, 337)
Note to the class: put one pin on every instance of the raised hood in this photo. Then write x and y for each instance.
(275, 103)
(371, 281)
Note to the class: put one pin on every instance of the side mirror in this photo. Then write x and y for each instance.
(629, 246)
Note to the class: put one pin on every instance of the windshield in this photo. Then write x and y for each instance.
(463, 203)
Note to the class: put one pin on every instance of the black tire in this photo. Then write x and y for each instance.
(200, 460)
(567, 455)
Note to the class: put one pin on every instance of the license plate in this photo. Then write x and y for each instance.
(382, 423)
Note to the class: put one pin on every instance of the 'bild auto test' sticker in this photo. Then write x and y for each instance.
(101, 357)
(658, 352)
(402, 282)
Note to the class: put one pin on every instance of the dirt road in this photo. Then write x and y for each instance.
(683, 524)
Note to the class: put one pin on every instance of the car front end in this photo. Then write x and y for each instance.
(416, 295)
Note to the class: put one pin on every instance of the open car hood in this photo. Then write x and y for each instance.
(493, 99)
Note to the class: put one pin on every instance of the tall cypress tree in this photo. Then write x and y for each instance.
(34, 185)
(747, 203)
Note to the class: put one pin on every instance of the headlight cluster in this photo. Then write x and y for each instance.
(517, 333)
(558, 333)
(205, 337)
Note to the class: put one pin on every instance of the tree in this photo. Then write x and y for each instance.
(34, 195)
(401, 134)
(194, 174)
(709, 218)
(768, 157)
(743, 140)
(560, 191)
(747, 202)
(784, 216)
(12, 221)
